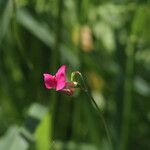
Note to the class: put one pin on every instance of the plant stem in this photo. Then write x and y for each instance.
(98, 109)
(58, 38)
(127, 95)
(56, 62)
(102, 118)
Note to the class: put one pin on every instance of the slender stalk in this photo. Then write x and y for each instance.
(128, 86)
(102, 118)
(56, 52)
(56, 62)
(84, 88)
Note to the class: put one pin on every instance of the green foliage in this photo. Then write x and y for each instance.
(107, 41)
(44, 34)
(13, 141)
(43, 139)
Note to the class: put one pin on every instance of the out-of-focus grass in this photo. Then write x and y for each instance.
(108, 41)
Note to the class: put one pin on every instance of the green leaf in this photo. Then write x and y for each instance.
(13, 140)
(42, 135)
(6, 18)
(41, 31)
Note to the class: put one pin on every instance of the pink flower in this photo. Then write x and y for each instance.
(58, 81)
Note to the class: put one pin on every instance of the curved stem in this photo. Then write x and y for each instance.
(99, 111)
(102, 118)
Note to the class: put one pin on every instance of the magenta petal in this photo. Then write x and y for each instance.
(49, 80)
(61, 78)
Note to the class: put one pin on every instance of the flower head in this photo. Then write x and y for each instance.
(58, 81)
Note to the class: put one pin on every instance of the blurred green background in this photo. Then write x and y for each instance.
(108, 41)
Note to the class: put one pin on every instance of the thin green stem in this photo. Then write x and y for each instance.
(56, 62)
(102, 118)
(86, 91)
(128, 88)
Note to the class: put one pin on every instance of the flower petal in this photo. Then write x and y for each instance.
(61, 78)
(49, 80)
(69, 92)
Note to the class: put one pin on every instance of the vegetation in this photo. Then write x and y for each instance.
(107, 41)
